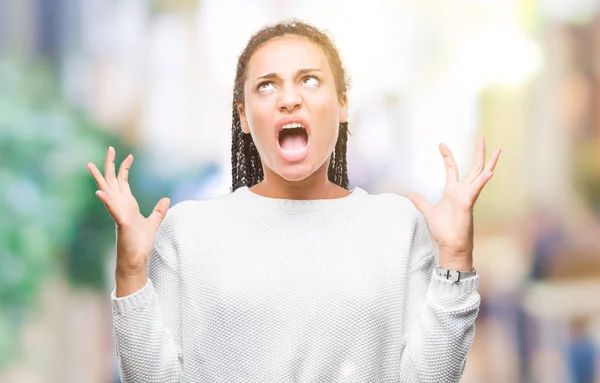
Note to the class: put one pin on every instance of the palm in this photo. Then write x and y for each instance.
(451, 221)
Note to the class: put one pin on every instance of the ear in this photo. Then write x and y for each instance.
(243, 119)
(344, 109)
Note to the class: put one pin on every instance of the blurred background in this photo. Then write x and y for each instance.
(155, 78)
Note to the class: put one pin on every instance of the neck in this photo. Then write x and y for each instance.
(316, 186)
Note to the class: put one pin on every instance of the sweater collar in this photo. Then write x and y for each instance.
(255, 200)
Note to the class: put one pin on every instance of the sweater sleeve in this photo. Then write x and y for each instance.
(439, 317)
(147, 326)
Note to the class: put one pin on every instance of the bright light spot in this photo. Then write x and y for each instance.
(498, 56)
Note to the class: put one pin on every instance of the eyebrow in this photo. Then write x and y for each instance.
(298, 73)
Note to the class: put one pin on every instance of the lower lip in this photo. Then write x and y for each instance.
(295, 155)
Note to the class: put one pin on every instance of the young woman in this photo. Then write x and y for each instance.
(292, 277)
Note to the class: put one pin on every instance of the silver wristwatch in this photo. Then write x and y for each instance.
(455, 275)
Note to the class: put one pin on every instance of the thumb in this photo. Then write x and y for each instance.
(420, 203)
(159, 212)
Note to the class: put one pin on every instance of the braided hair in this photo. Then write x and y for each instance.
(246, 166)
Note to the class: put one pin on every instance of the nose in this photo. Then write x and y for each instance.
(289, 99)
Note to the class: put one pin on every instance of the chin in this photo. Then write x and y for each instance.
(292, 175)
(295, 172)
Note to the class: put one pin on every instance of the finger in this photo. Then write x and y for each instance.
(478, 162)
(486, 174)
(420, 203)
(109, 165)
(110, 206)
(480, 182)
(451, 169)
(159, 212)
(491, 165)
(123, 176)
(98, 178)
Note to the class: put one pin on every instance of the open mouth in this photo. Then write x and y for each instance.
(293, 136)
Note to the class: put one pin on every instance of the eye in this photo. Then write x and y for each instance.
(311, 80)
(263, 86)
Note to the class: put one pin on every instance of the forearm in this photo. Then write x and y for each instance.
(438, 342)
(146, 350)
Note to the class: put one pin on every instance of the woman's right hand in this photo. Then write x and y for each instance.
(135, 233)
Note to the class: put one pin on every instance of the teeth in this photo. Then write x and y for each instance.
(293, 125)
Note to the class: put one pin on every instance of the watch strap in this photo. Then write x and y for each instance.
(455, 275)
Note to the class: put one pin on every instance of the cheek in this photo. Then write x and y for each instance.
(327, 116)
(326, 105)
(261, 119)
(258, 117)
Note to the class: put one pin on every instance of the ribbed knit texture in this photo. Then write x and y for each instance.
(245, 288)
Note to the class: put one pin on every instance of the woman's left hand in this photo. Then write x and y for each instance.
(450, 222)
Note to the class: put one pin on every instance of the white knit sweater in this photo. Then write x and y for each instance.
(245, 288)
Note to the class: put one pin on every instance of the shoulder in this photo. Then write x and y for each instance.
(189, 219)
(413, 225)
(191, 215)
(191, 209)
(394, 204)
(400, 213)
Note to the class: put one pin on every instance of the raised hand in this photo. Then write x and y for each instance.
(450, 222)
(135, 233)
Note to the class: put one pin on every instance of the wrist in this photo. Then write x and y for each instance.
(450, 260)
(130, 281)
(130, 272)
(454, 275)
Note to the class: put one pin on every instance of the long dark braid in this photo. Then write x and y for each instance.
(246, 166)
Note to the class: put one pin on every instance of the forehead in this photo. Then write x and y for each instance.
(285, 55)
